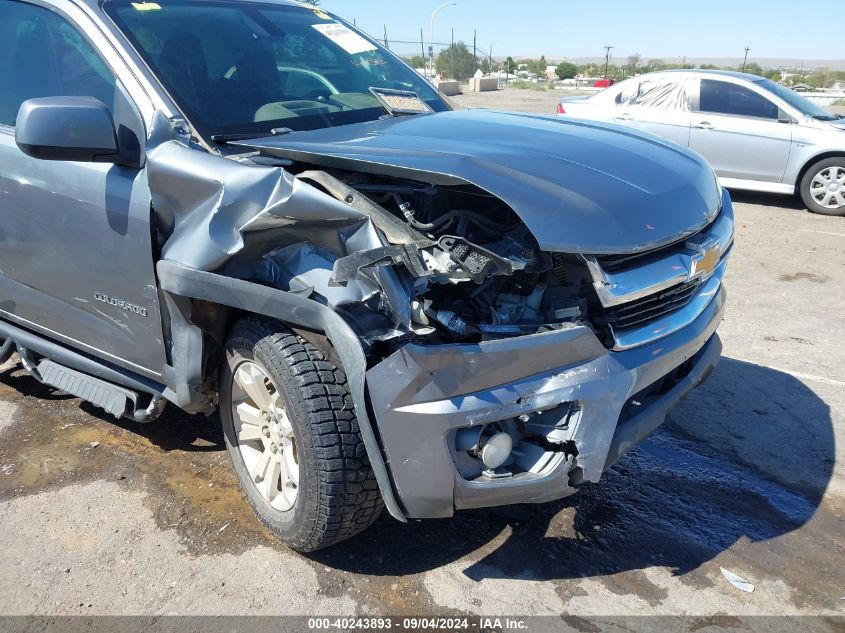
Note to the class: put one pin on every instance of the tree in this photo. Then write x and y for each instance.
(510, 66)
(633, 64)
(536, 66)
(566, 70)
(416, 61)
(820, 78)
(456, 62)
(754, 68)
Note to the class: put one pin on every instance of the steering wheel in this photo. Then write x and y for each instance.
(317, 95)
(321, 97)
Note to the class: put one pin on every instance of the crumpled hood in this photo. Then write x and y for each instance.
(579, 187)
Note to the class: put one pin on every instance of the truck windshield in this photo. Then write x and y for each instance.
(244, 68)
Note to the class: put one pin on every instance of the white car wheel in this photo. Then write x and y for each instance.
(823, 187)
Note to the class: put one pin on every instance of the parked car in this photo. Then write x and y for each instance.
(757, 135)
(604, 83)
(253, 208)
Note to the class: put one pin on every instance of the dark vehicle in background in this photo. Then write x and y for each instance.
(253, 208)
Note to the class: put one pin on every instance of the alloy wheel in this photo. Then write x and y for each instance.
(266, 440)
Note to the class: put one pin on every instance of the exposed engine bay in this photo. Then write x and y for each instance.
(448, 264)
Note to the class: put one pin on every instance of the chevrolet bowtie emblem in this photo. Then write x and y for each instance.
(706, 261)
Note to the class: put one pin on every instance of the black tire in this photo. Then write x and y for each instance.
(7, 348)
(338, 496)
(811, 204)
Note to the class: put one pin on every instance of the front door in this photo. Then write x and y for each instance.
(740, 132)
(76, 258)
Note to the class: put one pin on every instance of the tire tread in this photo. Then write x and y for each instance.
(348, 497)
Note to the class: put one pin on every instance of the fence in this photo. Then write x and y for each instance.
(420, 46)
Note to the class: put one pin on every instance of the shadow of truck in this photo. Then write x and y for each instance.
(747, 455)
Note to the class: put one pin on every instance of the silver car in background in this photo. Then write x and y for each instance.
(756, 134)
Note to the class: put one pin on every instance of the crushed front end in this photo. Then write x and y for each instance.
(508, 352)
(635, 334)
(500, 373)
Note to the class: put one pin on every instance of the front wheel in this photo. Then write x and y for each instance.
(291, 431)
(823, 187)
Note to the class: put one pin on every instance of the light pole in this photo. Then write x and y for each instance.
(431, 38)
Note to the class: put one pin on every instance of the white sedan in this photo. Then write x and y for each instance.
(757, 135)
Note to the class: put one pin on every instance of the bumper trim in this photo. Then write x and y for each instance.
(424, 393)
(633, 431)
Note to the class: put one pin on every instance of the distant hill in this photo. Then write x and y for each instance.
(765, 62)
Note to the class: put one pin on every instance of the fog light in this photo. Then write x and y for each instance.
(495, 450)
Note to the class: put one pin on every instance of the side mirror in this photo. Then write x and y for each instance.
(69, 128)
(785, 117)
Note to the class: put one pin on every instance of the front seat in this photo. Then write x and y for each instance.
(258, 76)
(183, 68)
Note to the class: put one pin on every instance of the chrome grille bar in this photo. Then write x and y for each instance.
(694, 259)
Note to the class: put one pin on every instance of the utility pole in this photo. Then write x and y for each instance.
(422, 47)
(452, 57)
(607, 50)
(745, 59)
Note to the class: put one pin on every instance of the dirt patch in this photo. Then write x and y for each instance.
(812, 277)
(180, 460)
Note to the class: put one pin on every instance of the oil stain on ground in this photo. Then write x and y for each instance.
(801, 276)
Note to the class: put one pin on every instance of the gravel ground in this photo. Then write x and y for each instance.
(748, 474)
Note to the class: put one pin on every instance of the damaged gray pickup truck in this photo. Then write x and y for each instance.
(253, 207)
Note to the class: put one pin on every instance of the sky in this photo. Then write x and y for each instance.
(667, 29)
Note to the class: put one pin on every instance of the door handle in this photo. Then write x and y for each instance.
(703, 125)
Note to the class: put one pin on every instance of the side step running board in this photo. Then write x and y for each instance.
(115, 400)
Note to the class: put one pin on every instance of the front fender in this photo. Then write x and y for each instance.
(183, 281)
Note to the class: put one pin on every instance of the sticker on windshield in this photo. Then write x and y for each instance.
(344, 37)
(322, 14)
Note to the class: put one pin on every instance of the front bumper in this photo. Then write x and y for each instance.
(421, 395)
